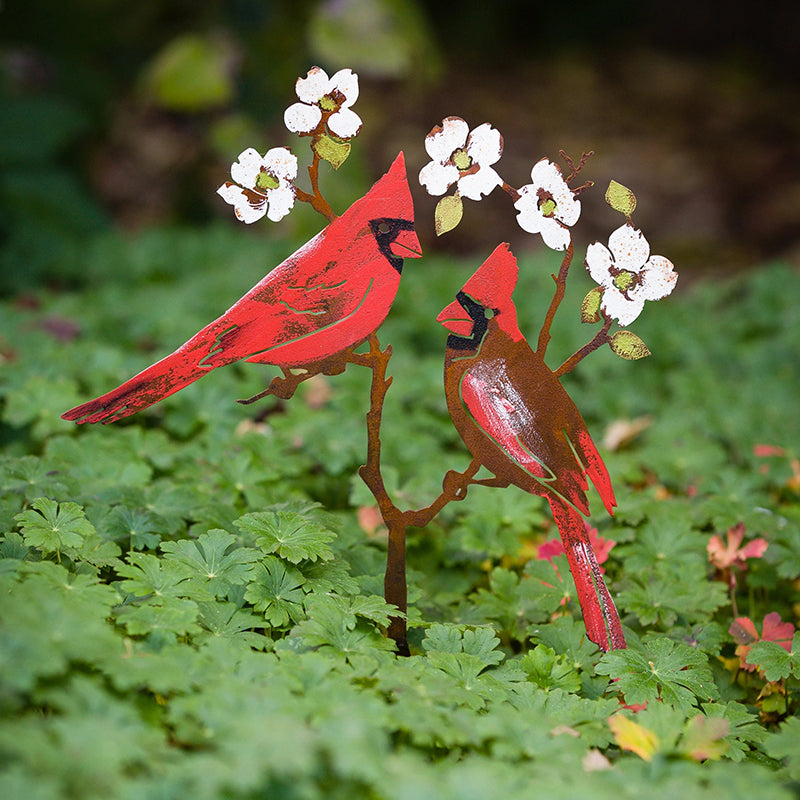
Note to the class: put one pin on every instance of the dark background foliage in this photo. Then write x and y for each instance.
(129, 114)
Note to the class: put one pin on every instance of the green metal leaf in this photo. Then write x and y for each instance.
(621, 198)
(448, 213)
(628, 345)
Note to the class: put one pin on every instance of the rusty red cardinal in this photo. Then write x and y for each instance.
(518, 421)
(306, 316)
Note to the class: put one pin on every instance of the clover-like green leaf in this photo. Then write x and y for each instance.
(213, 559)
(289, 534)
(664, 670)
(52, 527)
(550, 671)
(276, 589)
(774, 661)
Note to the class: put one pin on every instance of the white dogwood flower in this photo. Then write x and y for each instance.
(462, 158)
(628, 273)
(548, 206)
(261, 185)
(318, 95)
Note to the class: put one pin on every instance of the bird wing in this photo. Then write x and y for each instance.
(523, 425)
(294, 300)
(307, 293)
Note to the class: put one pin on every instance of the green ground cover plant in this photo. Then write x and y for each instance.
(192, 599)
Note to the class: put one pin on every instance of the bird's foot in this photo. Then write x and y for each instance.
(283, 388)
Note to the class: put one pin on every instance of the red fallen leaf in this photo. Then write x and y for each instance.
(727, 555)
(744, 633)
(768, 451)
(370, 520)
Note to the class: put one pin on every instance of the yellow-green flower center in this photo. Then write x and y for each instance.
(461, 160)
(327, 103)
(548, 207)
(624, 280)
(266, 181)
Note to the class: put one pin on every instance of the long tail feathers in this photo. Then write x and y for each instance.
(599, 613)
(158, 381)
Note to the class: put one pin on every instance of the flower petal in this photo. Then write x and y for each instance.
(282, 163)
(281, 202)
(598, 263)
(245, 169)
(446, 138)
(568, 207)
(315, 85)
(660, 278)
(344, 123)
(485, 145)
(555, 235)
(617, 306)
(346, 81)
(529, 216)
(243, 206)
(478, 184)
(631, 250)
(546, 174)
(302, 118)
(437, 178)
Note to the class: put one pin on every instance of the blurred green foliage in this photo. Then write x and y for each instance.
(192, 605)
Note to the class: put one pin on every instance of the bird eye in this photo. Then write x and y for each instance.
(384, 227)
(488, 313)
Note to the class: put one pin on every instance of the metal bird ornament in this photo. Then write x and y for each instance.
(306, 316)
(518, 421)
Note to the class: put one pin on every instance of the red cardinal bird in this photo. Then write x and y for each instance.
(517, 420)
(306, 315)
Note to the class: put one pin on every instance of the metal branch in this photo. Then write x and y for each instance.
(561, 285)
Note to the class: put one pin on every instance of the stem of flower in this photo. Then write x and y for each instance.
(601, 338)
(511, 191)
(561, 285)
(318, 202)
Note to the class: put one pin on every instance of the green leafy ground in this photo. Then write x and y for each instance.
(191, 606)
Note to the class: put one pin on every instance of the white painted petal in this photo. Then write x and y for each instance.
(346, 81)
(245, 169)
(345, 123)
(485, 145)
(598, 263)
(568, 207)
(315, 85)
(478, 184)
(281, 163)
(659, 279)
(545, 174)
(438, 178)
(529, 217)
(281, 201)
(631, 250)
(302, 118)
(446, 138)
(617, 306)
(554, 235)
(242, 207)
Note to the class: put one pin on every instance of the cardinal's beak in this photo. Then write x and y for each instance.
(456, 319)
(406, 244)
